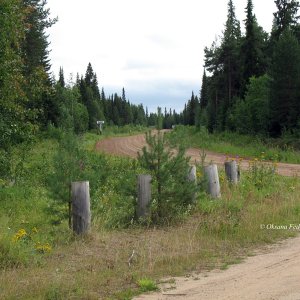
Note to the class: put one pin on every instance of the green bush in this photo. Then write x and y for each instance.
(147, 285)
(114, 202)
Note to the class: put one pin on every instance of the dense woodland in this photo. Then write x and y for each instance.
(250, 82)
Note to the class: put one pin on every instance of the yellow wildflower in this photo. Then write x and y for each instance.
(21, 234)
(199, 174)
(46, 248)
(34, 230)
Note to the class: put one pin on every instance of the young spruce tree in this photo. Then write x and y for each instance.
(169, 168)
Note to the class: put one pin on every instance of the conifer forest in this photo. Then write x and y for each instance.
(250, 80)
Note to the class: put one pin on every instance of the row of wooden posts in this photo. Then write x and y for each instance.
(80, 193)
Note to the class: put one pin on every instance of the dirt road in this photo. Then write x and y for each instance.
(130, 146)
(270, 276)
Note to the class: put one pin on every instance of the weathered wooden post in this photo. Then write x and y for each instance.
(192, 176)
(232, 171)
(213, 183)
(81, 212)
(144, 196)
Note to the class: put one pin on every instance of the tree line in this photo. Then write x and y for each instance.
(31, 99)
(82, 104)
(26, 91)
(251, 81)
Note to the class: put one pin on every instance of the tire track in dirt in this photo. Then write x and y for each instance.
(131, 145)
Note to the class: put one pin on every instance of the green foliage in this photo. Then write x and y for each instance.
(261, 174)
(115, 199)
(73, 163)
(69, 164)
(35, 55)
(15, 119)
(223, 61)
(238, 95)
(253, 48)
(285, 72)
(147, 285)
(286, 17)
(73, 115)
(234, 144)
(159, 124)
(169, 168)
(231, 223)
(112, 181)
(24, 225)
(251, 115)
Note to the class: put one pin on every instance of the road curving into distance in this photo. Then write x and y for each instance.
(131, 145)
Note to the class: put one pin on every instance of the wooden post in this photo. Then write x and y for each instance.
(192, 176)
(213, 184)
(70, 206)
(232, 171)
(81, 206)
(144, 196)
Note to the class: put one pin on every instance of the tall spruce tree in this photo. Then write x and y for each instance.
(286, 16)
(204, 91)
(191, 110)
(35, 54)
(90, 96)
(253, 48)
(224, 63)
(230, 55)
(61, 77)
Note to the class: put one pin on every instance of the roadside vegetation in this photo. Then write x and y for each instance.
(234, 144)
(40, 258)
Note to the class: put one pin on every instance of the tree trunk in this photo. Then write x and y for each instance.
(81, 207)
(213, 184)
(232, 171)
(144, 196)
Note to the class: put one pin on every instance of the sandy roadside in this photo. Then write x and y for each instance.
(272, 275)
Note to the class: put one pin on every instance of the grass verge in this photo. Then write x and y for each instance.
(215, 235)
(234, 144)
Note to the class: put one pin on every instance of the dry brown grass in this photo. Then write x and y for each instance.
(96, 267)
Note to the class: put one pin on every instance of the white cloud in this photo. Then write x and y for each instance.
(140, 44)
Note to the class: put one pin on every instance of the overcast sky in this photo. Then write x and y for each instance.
(152, 48)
